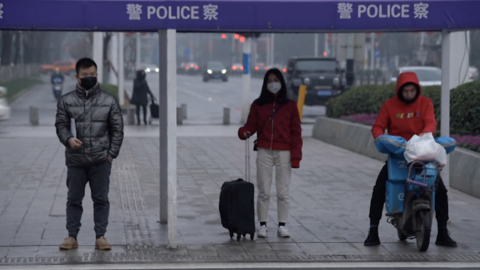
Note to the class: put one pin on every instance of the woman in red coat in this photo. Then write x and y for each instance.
(276, 121)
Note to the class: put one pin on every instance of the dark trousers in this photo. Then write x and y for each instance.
(137, 108)
(98, 176)
(378, 199)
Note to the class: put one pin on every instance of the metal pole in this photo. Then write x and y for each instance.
(121, 68)
(233, 50)
(247, 48)
(445, 98)
(138, 53)
(273, 49)
(98, 53)
(372, 51)
(113, 57)
(326, 44)
(168, 133)
(316, 45)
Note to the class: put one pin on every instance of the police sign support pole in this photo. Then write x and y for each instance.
(247, 48)
(168, 133)
(98, 54)
(455, 63)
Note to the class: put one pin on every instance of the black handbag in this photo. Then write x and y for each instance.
(255, 147)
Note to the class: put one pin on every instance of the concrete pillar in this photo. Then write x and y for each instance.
(184, 110)
(455, 63)
(246, 78)
(179, 116)
(34, 116)
(98, 53)
(226, 116)
(168, 133)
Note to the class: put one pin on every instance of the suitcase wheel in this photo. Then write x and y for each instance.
(239, 237)
(244, 234)
(252, 235)
(231, 234)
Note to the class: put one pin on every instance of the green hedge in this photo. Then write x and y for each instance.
(367, 99)
(465, 109)
(15, 86)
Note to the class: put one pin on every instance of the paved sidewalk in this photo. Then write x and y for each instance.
(328, 220)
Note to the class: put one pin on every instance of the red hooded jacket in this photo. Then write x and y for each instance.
(406, 120)
(283, 132)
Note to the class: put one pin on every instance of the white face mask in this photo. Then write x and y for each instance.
(274, 87)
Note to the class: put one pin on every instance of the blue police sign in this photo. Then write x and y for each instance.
(236, 15)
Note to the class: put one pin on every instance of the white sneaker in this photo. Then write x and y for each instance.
(283, 232)
(262, 232)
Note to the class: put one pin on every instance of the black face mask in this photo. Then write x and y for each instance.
(88, 82)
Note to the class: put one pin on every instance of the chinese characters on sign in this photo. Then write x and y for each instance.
(420, 10)
(210, 12)
(134, 10)
(1, 11)
(345, 10)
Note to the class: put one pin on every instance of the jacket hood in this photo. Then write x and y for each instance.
(405, 78)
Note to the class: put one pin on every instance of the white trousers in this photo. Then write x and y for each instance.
(266, 160)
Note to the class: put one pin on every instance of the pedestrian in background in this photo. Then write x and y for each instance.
(89, 123)
(139, 95)
(276, 121)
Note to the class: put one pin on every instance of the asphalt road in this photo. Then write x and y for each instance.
(205, 100)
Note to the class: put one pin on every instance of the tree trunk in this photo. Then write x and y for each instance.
(6, 48)
(16, 56)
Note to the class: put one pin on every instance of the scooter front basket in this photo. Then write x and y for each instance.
(424, 173)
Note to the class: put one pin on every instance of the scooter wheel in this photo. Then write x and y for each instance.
(424, 227)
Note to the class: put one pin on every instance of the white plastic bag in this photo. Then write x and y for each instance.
(421, 148)
(441, 157)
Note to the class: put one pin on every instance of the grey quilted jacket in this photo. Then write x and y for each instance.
(99, 125)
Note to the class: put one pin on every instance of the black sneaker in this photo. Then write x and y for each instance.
(372, 238)
(443, 239)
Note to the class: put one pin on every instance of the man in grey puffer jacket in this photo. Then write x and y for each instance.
(90, 149)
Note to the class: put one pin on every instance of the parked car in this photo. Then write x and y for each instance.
(215, 70)
(65, 67)
(322, 76)
(426, 75)
(472, 74)
(4, 108)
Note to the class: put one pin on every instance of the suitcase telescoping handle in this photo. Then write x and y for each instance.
(247, 160)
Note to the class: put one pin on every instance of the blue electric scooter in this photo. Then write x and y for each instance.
(410, 194)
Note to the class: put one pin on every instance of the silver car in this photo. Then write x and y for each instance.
(426, 75)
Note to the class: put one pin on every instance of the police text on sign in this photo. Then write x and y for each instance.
(420, 10)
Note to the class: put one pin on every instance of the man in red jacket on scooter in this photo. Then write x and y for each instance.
(407, 114)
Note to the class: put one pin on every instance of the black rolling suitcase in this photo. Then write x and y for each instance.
(154, 110)
(237, 210)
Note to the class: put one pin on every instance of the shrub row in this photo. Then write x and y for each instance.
(368, 99)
